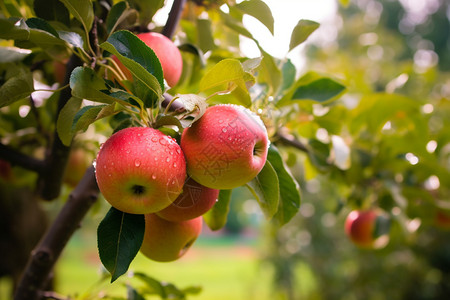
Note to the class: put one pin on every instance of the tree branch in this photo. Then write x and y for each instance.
(46, 254)
(174, 18)
(49, 185)
(20, 159)
(290, 141)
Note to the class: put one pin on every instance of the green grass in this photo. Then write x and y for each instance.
(225, 268)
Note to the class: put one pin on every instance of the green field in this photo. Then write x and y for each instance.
(225, 268)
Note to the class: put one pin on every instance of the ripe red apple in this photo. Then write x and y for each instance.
(79, 160)
(140, 170)
(166, 241)
(225, 148)
(367, 228)
(168, 54)
(194, 201)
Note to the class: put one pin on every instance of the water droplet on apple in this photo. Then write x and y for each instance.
(154, 139)
(156, 159)
(168, 159)
(224, 129)
(153, 176)
(174, 165)
(178, 151)
(94, 163)
(137, 162)
(162, 141)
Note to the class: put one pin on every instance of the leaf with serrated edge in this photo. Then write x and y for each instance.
(120, 237)
(265, 187)
(289, 188)
(216, 217)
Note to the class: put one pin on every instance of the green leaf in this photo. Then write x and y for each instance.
(132, 294)
(259, 10)
(12, 54)
(37, 23)
(225, 76)
(236, 24)
(10, 30)
(18, 85)
(154, 286)
(52, 10)
(301, 32)
(91, 113)
(269, 72)
(289, 189)
(72, 38)
(216, 217)
(82, 10)
(141, 61)
(319, 90)
(312, 87)
(147, 9)
(205, 35)
(65, 120)
(86, 84)
(116, 15)
(266, 189)
(120, 237)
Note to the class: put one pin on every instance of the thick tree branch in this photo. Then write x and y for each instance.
(56, 159)
(49, 249)
(174, 18)
(16, 158)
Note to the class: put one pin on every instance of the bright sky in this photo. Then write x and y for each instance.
(286, 14)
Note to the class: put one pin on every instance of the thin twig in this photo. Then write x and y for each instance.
(290, 141)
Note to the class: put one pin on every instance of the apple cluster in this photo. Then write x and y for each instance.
(140, 170)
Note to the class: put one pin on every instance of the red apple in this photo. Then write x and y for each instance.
(225, 148)
(140, 170)
(166, 241)
(367, 228)
(79, 160)
(195, 200)
(168, 54)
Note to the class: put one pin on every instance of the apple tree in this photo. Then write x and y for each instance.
(89, 74)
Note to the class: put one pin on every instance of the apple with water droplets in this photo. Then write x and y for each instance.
(226, 148)
(194, 201)
(166, 241)
(140, 170)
